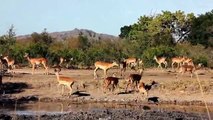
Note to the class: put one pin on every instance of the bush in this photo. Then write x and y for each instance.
(159, 51)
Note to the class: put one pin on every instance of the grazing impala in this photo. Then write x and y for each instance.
(66, 81)
(177, 60)
(142, 88)
(161, 60)
(10, 62)
(37, 61)
(104, 66)
(111, 81)
(134, 79)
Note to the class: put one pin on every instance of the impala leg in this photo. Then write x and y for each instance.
(191, 74)
(62, 90)
(33, 69)
(136, 86)
(165, 63)
(178, 65)
(107, 86)
(159, 66)
(172, 65)
(95, 75)
(146, 93)
(71, 88)
(113, 87)
(104, 86)
(127, 86)
(105, 73)
(46, 71)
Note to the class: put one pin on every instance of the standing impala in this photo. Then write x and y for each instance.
(63, 80)
(130, 61)
(160, 60)
(10, 62)
(134, 79)
(177, 60)
(104, 66)
(111, 81)
(187, 61)
(37, 61)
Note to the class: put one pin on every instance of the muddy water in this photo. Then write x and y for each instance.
(54, 108)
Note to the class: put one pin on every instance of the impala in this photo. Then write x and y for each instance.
(104, 66)
(178, 61)
(122, 66)
(161, 60)
(10, 62)
(61, 61)
(111, 81)
(187, 61)
(131, 62)
(66, 81)
(37, 61)
(190, 67)
(134, 79)
(142, 88)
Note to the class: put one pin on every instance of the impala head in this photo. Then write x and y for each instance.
(140, 71)
(115, 63)
(200, 65)
(57, 70)
(114, 74)
(155, 57)
(26, 55)
(5, 57)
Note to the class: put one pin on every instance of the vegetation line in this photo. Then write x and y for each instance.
(201, 90)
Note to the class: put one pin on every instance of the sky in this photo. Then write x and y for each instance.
(101, 16)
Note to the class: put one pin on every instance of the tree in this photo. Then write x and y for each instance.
(44, 37)
(202, 30)
(125, 31)
(162, 29)
(6, 41)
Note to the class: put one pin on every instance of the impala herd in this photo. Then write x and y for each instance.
(184, 64)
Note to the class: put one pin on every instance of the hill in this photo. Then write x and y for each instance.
(91, 35)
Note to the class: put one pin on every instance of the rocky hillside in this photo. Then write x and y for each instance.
(75, 33)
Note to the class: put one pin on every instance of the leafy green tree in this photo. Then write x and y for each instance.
(44, 37)
(6, 41)
(125, 31)
(202, 30)
(162, 29)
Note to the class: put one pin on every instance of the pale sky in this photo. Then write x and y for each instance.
(102, 16)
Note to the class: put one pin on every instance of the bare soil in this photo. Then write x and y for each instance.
(171, 87)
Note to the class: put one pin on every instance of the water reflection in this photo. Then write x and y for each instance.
(40, 108)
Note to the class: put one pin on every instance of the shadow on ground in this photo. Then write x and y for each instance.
(80, 93)
(11, 88)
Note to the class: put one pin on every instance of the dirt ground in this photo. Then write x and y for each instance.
(171, 88)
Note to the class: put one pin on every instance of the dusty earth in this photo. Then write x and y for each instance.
(180, 92)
